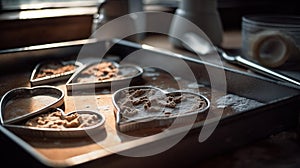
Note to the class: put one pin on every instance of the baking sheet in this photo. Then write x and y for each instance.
(277, 112)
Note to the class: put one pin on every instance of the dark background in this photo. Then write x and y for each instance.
(231, 11)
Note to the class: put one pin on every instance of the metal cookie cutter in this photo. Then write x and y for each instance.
(78, 123)
(50, 78)
(132, 115)
(24, 102)
(125, 73)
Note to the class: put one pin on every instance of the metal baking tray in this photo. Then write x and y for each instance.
(279, 111)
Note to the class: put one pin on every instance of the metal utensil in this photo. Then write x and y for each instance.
(201, 46)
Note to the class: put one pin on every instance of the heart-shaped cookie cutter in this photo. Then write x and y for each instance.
(160, 120)
(61, 132)
(73, 84)
(64, 76)
(28, 92)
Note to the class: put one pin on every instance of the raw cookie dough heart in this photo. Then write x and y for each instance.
(101, 74)
(53, 71)
(139, 107)
(55, 123)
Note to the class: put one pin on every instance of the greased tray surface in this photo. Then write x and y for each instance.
(255, 93)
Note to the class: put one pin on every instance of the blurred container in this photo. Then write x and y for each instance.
(203, 14)
(271, 40)
(114, 9)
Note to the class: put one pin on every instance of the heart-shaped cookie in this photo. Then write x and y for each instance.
(101, 74)
(55, 123)
(25, 102)
(53, 71)
(139, 107)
